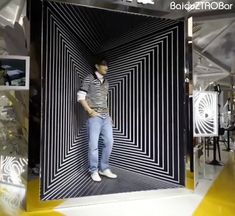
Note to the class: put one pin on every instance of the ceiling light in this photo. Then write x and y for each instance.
(190, 27)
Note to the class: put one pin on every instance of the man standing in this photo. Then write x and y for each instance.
(93, 96)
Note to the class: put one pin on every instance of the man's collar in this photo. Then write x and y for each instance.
(98, 75)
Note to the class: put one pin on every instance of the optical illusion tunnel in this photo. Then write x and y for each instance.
(146, 96)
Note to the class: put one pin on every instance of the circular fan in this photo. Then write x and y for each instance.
(205, 113)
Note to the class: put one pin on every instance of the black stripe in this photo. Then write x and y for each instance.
(83, 90)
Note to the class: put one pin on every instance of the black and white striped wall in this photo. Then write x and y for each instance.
(146, 77)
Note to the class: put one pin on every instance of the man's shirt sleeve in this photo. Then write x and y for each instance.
(85, 84)
(81, 95)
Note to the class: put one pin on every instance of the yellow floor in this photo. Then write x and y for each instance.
(189, 180)
(37, 207)
(10, 203)
(220, 199)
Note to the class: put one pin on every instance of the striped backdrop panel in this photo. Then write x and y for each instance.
(145, 99)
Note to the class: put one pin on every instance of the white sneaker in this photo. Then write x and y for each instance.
(108, 173)
(95, 176)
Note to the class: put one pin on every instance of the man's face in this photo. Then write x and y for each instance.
(102, 69)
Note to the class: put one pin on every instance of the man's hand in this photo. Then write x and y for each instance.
(92, 113)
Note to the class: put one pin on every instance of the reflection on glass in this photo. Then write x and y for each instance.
(13, 138)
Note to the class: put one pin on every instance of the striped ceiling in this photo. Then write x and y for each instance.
(101, 30)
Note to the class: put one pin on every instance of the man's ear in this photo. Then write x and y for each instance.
(96, 66)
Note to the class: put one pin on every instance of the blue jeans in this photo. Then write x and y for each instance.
(98, 126)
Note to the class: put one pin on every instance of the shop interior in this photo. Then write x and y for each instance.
(74, 34)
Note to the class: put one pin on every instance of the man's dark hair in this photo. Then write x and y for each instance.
(101, 61)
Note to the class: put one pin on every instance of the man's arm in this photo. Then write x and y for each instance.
(86, 107)
(81, 97)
